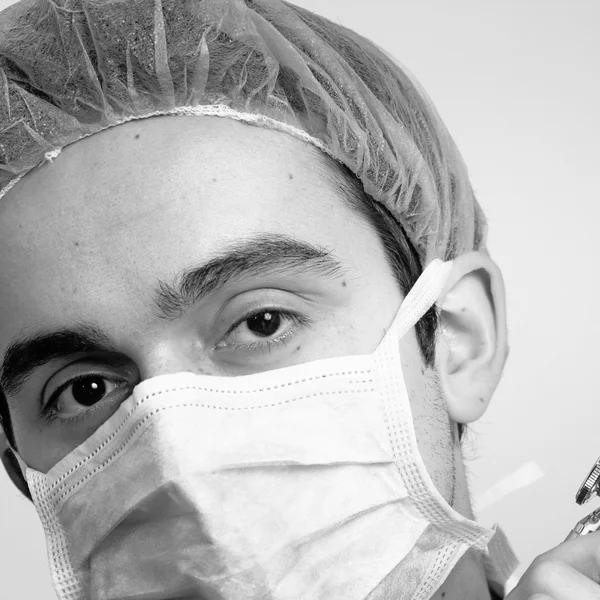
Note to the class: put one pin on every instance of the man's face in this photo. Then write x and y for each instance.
(87, 239)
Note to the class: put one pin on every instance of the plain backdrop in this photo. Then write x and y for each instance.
(517, 84)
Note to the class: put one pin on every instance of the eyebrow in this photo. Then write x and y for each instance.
(262, 255)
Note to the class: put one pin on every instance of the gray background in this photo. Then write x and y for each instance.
(517, 85)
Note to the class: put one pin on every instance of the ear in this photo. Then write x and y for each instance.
(472, 346)
(11, 465)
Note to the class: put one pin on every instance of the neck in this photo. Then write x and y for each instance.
(467, 581)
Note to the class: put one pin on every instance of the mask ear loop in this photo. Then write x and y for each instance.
(12, 467)
(423, 295)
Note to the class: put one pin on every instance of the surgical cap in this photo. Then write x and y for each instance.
(71, 68)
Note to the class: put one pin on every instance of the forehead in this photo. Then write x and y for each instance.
(86, 235)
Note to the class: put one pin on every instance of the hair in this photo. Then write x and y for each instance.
(402, 257)
(5, 422)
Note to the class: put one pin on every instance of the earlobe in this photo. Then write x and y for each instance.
(472, 345)
(11, 465)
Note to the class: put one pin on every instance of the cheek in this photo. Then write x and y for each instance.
(363, 327)
(33, 444)
(430, 417)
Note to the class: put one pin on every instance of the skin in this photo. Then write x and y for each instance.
(86, 237)
(571, 570)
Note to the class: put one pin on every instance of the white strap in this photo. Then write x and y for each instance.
(423, 294)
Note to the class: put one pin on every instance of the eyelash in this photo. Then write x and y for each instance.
(297, 320)
(50, 413)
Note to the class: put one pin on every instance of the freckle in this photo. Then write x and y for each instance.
(76, 244)
(137, 136)
(443, 594)
(344, 284)
(482, 400)
(463, 309)
(298, 348)
(291, 176)
(214, 179)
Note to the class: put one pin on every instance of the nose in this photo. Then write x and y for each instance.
(173, 356)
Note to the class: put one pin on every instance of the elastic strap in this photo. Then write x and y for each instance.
(423, 295)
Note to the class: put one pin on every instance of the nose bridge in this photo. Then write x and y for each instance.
(172, 353)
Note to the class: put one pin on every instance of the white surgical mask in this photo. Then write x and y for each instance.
(301, 483)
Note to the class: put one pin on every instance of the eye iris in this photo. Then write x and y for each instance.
(89, 391)
(265, 324)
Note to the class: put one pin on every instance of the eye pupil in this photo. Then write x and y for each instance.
(89, 391)
(265, 324)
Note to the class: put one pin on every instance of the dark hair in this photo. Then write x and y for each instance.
(5, 422)
(401, 255)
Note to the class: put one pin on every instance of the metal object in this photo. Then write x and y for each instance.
(588, 524)
(588, 489)
(590, 485)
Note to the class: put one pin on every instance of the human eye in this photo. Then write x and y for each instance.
(79, 397)
(263, 330)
